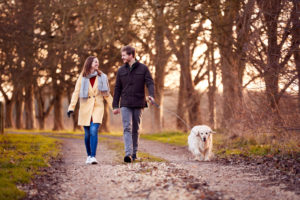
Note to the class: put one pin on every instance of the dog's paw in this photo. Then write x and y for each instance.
(196, 159)
(207, 159)
(199, 158)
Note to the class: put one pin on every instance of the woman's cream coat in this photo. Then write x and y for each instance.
(93, 106)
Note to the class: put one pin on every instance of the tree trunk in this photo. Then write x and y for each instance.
(58, 125)
(271, 75)
(230, 91)
(191, 96)
(8, 108)
(75, 114)
(223, 32)
(297, 61)
(26, 47)
(194, 109)
(19, 109)
(296, 41)
(181, 106)
(243, 25)
(105, 122)
(271, 80)
(40, 115)
(212, 87)
(1, 118)
(160, 62)
(8, 113)
(75, 119)
(29, 122)
(41, 121)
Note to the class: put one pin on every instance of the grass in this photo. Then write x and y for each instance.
(118, 147)
(21, 156)
(175, 138)
(247, 145)
(60, 134)
(255, 145)
(77, 132)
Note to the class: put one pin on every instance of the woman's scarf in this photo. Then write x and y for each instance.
(85, 82)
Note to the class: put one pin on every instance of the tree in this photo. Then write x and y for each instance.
(186, 23)
(296, 41)
(230, 18)
(272, 63)
(6, 59)
(154, 45)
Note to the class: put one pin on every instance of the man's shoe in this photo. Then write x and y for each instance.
(134, 157)
(88, 160)
(93, 160)
(128, 159)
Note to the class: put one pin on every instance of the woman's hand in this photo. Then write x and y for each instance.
(69, 113)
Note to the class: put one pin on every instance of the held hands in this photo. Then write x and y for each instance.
(70, 112)
(116, 111)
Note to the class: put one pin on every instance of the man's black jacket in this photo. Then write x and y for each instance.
(130, 86)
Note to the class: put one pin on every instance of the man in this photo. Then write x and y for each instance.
(130, 87)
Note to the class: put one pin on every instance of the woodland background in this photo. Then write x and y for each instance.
(231, 64)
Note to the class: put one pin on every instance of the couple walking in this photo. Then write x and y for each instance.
(92, 88)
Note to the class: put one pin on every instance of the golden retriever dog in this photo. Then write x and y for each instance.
(200, 142)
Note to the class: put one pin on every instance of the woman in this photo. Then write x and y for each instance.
(91, 87)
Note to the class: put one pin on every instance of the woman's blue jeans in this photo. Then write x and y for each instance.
(91, 138)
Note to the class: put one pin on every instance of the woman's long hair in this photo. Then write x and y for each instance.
(87, 66)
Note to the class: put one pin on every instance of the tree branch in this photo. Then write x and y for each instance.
(171, 41)
(286, 86)
(250, 81)
(4, 94)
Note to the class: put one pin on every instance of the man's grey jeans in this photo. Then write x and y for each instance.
(131, 118)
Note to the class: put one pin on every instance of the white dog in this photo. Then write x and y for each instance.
(200, 142)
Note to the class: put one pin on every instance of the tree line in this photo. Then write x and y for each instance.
(43, 44)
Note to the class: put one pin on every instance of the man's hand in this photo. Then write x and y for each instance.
(70, 112)
(151, 99)
(116, 111)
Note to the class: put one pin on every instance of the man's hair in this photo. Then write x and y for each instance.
(129, 50)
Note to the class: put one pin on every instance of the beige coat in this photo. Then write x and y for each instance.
(90, 107)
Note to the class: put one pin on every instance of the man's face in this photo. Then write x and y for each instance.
(125, 57)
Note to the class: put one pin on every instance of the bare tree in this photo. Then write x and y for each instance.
(155, 46)
(26, 52)
(272, 60)
(186, 23)
(225, 16)
(296, 41)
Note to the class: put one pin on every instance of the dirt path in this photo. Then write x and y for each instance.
(180, 178)
(238, 182)
(111, 179)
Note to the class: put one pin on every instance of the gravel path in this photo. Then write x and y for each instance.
(238, 181)
(111, 179)
(180, 178)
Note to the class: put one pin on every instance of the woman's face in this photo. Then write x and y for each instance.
(95, 64)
